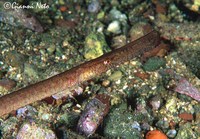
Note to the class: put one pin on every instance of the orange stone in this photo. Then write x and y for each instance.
(186, 116)
(155, 134)
(63, 8)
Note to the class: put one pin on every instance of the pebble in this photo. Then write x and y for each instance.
(186, 116)
(117, 75)
(115, 14)
(31, 71)
(155, 102)
(32, 130)
(155, 134)
(154, 63)
(95, 45)
(27, 111)
(15, 59)
(114, 27)
(7, 84)
(94, 6)
(145, 126)
(118, 41)
(139, 29)
(106, 83)
(186, 132)
(136, 125)
(171, 104)
(171, 133)
(93, 114)
(163, 124)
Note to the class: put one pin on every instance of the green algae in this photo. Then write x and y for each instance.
(95, 45)
(186, 132)
(154, 64)
(119, 124)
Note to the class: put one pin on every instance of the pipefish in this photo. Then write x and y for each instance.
(79, 74)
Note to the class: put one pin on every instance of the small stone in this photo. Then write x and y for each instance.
(95, 45)
(142, 76)
(138, 30)
(94, 6)
(9, 126)
(186, 132)
(155, 134)
(106, 83)
(33, 130)
(118, 41)
(154, 64)
(185, 87)
(7, 84)
(186, 116)
(171, 104)
(15, 59)
(117, 75)
(163, 124)
(155, 103)
(197, 119)
(93, 114)
(171, 133)
(115, 129)
(31, 71)
(115, 14)
(51, 49)
(145, 126)
(114, 27)
(27, 111)
(136, 125)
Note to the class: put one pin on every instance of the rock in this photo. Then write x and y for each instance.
(68, 119)
(117, 75)
(171, 104)
(126, 3)
(117, 15)
(139, 29)
(155, 102)
(15, 59)
(123, 129)
(136, 125)
(186, 116)
(106, 83)
(32, 130)
(93, 114)
(171, 133)
(7, 84)
(94, 6)
(31, 71)
(186, 132)
(114, 27)
(193, 5)
(155, 134)
(118, 41)
(27, 111)
(9, 126)
(95, 46)
(154, 63)
(163, 124)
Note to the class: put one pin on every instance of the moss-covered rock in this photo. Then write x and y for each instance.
(95, 45)
(120, 124)
(154, 64)
(186, 132)
(117, 75)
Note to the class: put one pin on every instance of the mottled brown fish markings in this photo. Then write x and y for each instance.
(79, 74)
